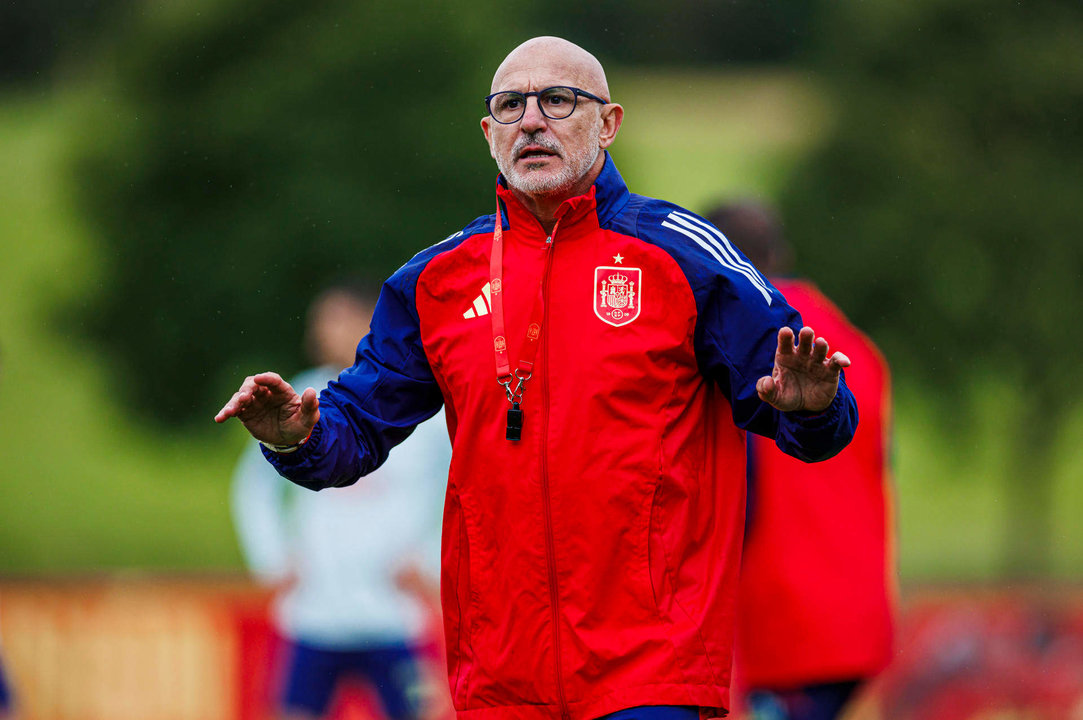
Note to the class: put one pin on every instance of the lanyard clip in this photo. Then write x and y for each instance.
(515, 395)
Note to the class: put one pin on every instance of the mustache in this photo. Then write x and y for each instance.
(538, 140)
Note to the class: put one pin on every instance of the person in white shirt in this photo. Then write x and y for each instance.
(356, 568)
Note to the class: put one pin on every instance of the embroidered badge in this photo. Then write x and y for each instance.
(618, 294)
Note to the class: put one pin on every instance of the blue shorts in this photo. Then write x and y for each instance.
(655, 712)
(314, 673)
(813, 702)
(5, 692)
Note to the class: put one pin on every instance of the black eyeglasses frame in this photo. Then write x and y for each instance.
(537, 94)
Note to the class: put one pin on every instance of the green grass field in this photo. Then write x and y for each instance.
(83, 487)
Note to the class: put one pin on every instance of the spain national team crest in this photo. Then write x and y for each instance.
(618, 294)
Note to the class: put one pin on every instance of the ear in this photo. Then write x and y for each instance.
(612, 117)
(487, 130)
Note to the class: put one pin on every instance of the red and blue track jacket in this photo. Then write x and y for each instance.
(591, 566)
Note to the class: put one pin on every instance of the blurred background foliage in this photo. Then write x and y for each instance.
(943, 213)
(184, 177)
(249, 153)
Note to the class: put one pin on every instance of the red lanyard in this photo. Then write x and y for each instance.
(504, 374)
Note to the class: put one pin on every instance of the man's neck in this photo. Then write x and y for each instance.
(544, 207)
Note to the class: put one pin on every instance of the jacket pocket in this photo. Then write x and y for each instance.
(459, 600)
(656, 553)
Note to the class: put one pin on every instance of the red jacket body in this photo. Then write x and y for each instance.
(592, 565)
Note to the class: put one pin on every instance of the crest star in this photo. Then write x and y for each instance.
(618, 258)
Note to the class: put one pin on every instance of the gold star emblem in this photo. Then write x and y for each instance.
(618, 258)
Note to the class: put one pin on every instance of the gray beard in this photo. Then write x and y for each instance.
(530, 182)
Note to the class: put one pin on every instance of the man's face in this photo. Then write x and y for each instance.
(537, 155)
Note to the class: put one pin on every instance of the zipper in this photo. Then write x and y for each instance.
(550, 544)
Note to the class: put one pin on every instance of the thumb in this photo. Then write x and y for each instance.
(765, 388)
(310, 408)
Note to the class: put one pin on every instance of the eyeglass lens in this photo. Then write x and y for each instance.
(556, 103)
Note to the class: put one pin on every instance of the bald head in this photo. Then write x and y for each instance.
(553, 55)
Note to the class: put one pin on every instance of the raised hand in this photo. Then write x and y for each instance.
(803, 378)
(271, 409)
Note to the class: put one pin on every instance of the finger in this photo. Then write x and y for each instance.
(254, 388)
(785, 341)
(310, 408)
(234, 406)
(272, 381)
(839, 361)
(765, 388)
(819, 350)
(804, 340)
(268, 377)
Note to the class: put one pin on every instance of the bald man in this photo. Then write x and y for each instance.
(600, 356)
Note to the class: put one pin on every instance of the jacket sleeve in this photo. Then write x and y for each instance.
(739, 314)
(736, 338)
(376, 403)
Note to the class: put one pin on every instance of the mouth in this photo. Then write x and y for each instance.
(534, 153)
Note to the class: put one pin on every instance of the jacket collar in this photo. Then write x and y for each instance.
(608, 195)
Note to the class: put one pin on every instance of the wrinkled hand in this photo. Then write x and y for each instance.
(803, 378)
(271, 409)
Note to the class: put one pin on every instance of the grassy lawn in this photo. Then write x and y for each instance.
(953, 517)
(84, 487)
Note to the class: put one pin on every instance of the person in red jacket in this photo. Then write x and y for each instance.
(600, 356)
(817, 577)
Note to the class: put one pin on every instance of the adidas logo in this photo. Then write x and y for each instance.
(482, 304)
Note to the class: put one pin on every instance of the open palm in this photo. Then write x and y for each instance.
(271, 409)
(803, 378)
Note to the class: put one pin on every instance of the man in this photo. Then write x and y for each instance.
(349, 565)
(598, 354)
(817, 578)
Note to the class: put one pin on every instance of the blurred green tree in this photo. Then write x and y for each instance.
(35, 35)
(681, 32)
(943, 213)
(244, 153)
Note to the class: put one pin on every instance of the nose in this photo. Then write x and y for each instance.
(533, 119)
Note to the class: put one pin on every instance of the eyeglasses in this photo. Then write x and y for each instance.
(555, 103)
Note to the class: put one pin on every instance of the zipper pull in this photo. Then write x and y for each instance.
(549, 239)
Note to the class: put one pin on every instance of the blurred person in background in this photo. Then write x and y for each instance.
(595, 506)
(357, 568)
(7, 701)
(817, 575)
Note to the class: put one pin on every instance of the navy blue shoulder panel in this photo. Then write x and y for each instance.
(735, 304)
(404, 280)
(376, 403)
(702, 251)
(739, 314)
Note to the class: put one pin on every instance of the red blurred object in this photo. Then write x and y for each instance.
(1002, 655)
(818, 581)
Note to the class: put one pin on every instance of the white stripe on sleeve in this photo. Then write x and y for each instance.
(705, 242)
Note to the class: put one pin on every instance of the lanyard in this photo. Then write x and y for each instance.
(504, 374)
